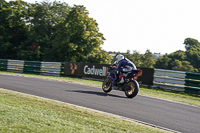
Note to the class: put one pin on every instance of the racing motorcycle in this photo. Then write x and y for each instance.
(129, 86)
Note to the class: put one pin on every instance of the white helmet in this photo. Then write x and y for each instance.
(119, 58)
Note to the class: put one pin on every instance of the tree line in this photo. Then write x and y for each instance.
(188, 60)
(56, 32)
(49, 31)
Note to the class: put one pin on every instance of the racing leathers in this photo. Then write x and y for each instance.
(123, 67)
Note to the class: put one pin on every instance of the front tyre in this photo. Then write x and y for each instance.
(107, 85)
(131, 89)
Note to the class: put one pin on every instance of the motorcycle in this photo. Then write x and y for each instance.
(129, 86)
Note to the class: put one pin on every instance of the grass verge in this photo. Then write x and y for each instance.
(25, 113)
(191, 99)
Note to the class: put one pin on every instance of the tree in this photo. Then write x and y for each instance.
(186, 66)
(78, 37)
(147, 59)
(182, 66)
(193, 52)
(178, 55)
(50, 32)
(43, 30)
(176, 65)
(99, 56)
(180, 60)
(190, 42)
(137, 58)
(13, 27)
(163, 62)
(176, 60)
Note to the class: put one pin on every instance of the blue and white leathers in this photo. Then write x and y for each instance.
(125, 64)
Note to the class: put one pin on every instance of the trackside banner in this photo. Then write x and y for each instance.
(93, 70)
(99, 71)
(90, 70)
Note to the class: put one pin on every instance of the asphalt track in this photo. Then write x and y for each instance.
(175, 116)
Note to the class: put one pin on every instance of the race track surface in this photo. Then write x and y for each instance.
(171, 115)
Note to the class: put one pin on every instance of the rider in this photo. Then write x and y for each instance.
(124, 65)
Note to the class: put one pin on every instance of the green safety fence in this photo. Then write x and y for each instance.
(192, 83)
(3, 64)
(32, 67)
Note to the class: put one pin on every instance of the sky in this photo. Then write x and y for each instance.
(160, 26)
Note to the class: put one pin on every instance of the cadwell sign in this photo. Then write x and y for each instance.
(90, 70)
(95, 71)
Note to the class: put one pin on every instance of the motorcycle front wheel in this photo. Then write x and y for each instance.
(107, 85)
(131, 89)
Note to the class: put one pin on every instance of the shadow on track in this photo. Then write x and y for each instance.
(95, 93)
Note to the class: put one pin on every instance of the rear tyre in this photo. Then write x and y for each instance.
(131, 89)
(107, 85)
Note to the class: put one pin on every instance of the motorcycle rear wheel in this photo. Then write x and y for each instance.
(107, 85)
(131, 89)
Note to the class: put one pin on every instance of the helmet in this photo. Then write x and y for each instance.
(119, 58)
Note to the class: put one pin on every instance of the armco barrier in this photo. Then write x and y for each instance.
(177, 80)
(50, 68)
(3, 64)
(32, 67)
(15, 66)
(166, 79)
(192, 83)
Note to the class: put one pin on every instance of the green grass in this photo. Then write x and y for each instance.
(25, 113)
(191, 99)
(182, 97)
